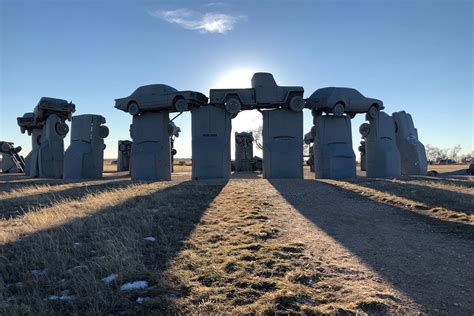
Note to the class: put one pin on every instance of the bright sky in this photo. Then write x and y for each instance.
(414, 55)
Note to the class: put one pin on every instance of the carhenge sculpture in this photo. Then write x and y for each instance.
(334, 157)
(150, 106)
(151, 154)
(363, 159)
(282, 144)
(412, 152)
(281, 107)
(47, 156)
(34, 129)
(309, 140)
(84, 158)
(12, 162)
(382, 155)
(124, 153)
(173, 132)
(333, 154)
(211, 127)
(243, 151)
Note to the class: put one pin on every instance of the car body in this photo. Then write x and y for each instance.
(27, 123)
(156, 97)
(265, 93)
(48, 106)
(343, 100)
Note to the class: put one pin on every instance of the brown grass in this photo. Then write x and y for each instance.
(448, 168)
(216, 252)
(449, 200)
(220, 247)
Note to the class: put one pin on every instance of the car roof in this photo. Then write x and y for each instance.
(159, 87)
(331, 89)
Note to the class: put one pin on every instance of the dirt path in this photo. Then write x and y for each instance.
(427, 260)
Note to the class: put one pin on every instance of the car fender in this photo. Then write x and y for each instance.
(289, 92)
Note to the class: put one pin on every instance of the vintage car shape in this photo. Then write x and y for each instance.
(156, 97)
(27, 123)
(343, 100)
(265, 93)
(47, 106)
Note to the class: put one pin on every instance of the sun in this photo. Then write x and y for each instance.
(238, 78)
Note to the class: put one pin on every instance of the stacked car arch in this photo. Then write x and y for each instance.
(391, 145)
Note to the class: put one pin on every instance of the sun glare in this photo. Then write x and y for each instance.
(238, 78)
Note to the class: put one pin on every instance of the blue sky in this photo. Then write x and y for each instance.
(414, 55)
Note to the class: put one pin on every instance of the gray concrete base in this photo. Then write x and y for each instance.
(282, 144)
(334, 157)
(382, 155)
(412, 151)
(211, 127)
(84, 158)
(124, 153)
(151, 155)
(51, 149)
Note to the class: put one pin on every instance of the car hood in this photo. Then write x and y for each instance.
(372, 100)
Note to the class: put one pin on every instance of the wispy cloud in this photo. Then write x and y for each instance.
(213, 4)
(210, 22)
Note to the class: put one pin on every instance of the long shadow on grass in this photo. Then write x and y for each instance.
(18, 206)
(9, 182)
(432, 197)
(115, 235)
(428, 259)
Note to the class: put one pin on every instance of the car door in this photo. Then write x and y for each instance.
(356, 101)
(152, 96)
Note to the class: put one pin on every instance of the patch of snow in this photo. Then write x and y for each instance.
(142, 300)
(76, 244)
(110, 278)
(62, 298)
(150, 238)
(38, 272)
(137, 285)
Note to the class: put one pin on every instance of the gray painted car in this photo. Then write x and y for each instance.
(27, 123)
(265, 93)
(156, 97)
(47, 106)
(343, 100)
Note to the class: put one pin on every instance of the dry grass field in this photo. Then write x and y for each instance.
(247, 245)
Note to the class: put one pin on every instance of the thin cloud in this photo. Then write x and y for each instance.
(213, 4)
(210, 22)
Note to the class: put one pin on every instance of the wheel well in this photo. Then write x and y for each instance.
(233, 95)
(376, 105)
(291, 95)
(128, 105)
(176, 98)
(341, 102)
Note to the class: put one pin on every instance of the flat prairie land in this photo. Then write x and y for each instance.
(247, 245)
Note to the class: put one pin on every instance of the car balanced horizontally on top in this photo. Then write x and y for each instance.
(264, 93)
